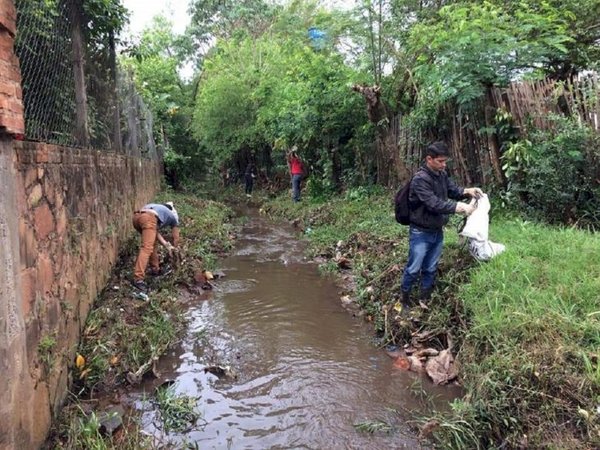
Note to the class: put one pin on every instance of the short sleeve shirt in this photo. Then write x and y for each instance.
(166, 218)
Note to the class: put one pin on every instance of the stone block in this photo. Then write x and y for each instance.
(8, 17)
(43, 221)
(28, 248)
(24, 154)
(14, 124)
(35, 195)
(55, 154)
(28, 291)
(41, 154)
(41, 413)
(53, 315)
(31, 175)
(45, 274)
(7, 89)
(61, 221)
(50, 191)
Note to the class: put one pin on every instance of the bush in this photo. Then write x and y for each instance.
(556, 175)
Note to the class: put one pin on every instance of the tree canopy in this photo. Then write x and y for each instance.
(274, 74)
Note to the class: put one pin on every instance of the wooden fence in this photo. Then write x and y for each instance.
(475, 146)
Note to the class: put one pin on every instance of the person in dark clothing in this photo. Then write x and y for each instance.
(430, 207)
(249, 176)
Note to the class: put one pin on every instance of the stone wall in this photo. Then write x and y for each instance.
(11, 103)
(63, 214)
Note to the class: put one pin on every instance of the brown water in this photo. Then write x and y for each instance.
(307, 370)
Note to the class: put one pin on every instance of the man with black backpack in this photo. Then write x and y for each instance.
(428, 210)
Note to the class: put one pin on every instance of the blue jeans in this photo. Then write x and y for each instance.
(425, 250)
(296, 179)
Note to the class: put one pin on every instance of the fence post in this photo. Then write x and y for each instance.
(82, 134)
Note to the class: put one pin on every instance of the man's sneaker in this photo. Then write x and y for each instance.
(140, 285)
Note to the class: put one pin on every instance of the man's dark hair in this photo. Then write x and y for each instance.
(437, 149)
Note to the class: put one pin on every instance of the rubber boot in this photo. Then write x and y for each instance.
(425, 298)
(406, 299)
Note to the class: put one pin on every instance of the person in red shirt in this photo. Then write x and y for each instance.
(296, 167)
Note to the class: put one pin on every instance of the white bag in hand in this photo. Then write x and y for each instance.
(476, 231)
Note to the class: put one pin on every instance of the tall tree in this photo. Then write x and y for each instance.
(156, 61)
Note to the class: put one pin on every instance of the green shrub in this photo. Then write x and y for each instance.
(555, 173)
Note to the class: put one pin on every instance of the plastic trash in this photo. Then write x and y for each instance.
(141, 296)
(476, 231)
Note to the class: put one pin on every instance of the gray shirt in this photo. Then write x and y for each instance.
(166, 217)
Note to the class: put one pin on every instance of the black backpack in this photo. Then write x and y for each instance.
(401, 204)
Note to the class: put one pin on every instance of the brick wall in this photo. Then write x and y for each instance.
(63, 214)
(11, 97)
(71, 209)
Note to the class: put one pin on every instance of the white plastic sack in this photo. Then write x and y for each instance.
(476, 231)
(484, 250)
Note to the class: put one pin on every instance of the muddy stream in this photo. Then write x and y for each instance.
(305, 370)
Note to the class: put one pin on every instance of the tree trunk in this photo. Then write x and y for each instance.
(82, 134)
(386, 145)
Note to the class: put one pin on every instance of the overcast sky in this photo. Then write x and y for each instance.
(142, 12)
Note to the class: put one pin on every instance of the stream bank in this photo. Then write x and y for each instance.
(268, 358)
(523, 327)
(271, 359)
(124, 336)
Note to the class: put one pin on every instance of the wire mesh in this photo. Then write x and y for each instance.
(116, 117)
(43, 46)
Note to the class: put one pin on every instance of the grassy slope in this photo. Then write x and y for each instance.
(527, 323)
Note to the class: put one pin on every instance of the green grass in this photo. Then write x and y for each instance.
(46, 351)
(373, 426)
(177, 412)
(81, 429)
(530, 352)
(525, 326)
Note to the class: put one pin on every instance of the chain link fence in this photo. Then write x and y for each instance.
(100, 109)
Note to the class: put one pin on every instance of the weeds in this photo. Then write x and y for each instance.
(88, 434)
(177, 412)
(373, 426)
(46, 350)
(82, 429)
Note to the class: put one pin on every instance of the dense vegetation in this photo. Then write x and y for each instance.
(270, 75)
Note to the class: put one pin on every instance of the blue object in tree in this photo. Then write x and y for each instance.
(317, 37)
